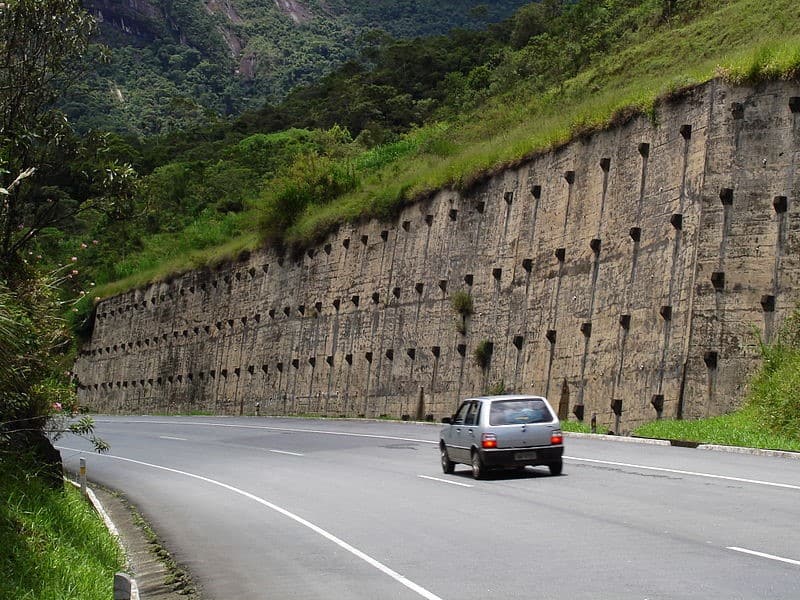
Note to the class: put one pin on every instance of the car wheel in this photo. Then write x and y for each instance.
(478, 470)
(448, 466)
(556, 467)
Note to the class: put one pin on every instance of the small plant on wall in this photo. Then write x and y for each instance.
(461, 302)
(497, 389)
(483, 354)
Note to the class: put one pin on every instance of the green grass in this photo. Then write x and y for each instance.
(53, 546)
(741, 428)
(183, 258)
(575, 427)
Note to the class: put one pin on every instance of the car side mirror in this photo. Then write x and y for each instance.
(447, 420)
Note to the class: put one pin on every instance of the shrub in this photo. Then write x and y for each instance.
(461, 302)
(773, 394)
(483, 354)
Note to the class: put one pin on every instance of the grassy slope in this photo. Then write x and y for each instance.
(728, 41)
(52, 544)
(742, 40)
(741, 428)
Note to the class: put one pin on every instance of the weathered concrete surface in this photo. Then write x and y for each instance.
(636, 265)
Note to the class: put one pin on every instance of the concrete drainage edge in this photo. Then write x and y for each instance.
(661, 442)
(98, 507)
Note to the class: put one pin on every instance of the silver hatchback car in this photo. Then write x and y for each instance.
(502, 432)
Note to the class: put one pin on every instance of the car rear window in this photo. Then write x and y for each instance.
(513, 412)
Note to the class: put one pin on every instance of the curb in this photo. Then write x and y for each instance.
(122, 581)
(684, 444)
(753, 451)
(616, 438)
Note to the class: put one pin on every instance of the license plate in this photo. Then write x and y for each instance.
(525, 455)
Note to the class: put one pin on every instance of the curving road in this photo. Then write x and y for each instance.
(298, 509)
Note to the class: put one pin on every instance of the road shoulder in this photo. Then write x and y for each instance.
(157, 575)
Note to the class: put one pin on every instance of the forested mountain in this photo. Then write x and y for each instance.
(178, 63)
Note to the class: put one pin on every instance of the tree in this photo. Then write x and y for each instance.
(47, 176)
(42, 50)
(530, 21)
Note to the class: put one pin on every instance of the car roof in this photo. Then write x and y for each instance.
(507, 397)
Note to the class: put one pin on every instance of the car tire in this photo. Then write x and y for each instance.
(556, 467)
(478, 469)
(448, 466)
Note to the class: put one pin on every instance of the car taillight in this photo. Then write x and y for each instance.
(556, 438)
(489, 440)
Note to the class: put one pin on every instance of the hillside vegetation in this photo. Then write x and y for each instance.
(553, 72)
(179, 63)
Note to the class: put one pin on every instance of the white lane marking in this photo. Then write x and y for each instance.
(297, 519)
(387, 437)
(764, 555)
(169, 437)
(286, 452)
(680, 472)
(291, 429)
(444, 481)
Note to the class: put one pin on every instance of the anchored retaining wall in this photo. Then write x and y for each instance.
(636, 266)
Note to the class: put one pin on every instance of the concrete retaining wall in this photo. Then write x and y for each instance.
(635, 265)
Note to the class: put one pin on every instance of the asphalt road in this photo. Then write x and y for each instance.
(299, 509)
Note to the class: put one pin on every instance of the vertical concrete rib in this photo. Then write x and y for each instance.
(596, 247)
(675, 271)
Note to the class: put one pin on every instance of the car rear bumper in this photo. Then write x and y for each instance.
(518, 457)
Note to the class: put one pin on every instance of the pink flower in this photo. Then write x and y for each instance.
(57, 406)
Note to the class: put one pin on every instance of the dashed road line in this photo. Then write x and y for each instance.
(286, 452)
(420, 441)
(445, 481)
(681, 472)
(268, 428)
(765, 555)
